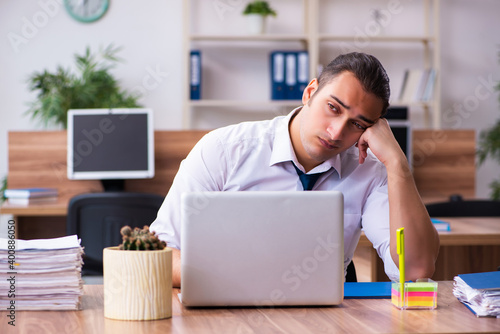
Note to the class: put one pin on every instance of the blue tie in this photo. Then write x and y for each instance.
(307, 180)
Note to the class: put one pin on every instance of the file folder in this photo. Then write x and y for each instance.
(195, 75)
(302, 73)
(277, 75)
(291, 75)
(367, 290)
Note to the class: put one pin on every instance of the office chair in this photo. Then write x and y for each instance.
(98, 217)
(351, 273)
(458, 207)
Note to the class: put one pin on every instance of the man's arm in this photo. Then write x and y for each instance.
(176, 268)
(405, 205)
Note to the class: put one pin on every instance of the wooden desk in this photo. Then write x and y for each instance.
(352, 316)
(472, 245)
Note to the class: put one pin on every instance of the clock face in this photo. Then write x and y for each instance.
(86, 10)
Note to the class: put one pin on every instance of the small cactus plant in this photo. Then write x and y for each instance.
(138, 239)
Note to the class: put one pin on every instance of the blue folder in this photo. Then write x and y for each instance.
(291, 86)
(302, 73)
(482, 281)
(277, 75)
(195, 75)
(367, 290)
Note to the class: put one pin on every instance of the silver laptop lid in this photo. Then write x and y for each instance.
(262, 248)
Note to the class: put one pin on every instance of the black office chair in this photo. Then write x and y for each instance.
(98, 217)
(351, 273)
(458, 207)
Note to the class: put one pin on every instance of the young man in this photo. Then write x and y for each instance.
(329, 134)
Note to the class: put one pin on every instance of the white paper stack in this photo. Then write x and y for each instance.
(480, 292)
(41, 274)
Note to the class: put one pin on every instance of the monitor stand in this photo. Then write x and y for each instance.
(115, 185)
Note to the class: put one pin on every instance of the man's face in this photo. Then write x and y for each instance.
(333, 118)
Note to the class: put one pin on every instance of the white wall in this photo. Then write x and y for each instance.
(470, 66)
(38, 35)
(150, 33)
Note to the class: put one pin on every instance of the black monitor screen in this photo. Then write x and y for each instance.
(110, 144)
(401, 135)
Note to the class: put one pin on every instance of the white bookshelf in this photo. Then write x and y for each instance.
(311, 36)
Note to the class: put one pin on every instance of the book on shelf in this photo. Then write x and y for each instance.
(417, 85)
(195, 74)
(30, 192)
(289, 73)
(428, 92)
(277, 62)
(480, 292)
(41, 274)
(302, 73)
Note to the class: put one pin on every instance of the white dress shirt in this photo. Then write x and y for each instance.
(253, 156)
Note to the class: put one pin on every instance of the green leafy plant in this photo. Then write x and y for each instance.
(2, 189)
(138, 239)
(489, 146)
(93, 86)
(259, 7)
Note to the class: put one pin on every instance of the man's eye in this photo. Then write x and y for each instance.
(332, 107)
(359, 126)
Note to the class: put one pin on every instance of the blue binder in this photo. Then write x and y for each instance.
(291, 86)
(195, 74)
(302, 73)
(277, 75)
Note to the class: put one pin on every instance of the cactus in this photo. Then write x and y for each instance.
(138, 239)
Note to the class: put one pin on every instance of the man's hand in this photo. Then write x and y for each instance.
(380, 139)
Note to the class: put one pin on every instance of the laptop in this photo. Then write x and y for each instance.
(262, 248)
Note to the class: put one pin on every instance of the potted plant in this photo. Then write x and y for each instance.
(489, 146)
(256, 13)
(2, 189)
(93, 86)
(138, 277)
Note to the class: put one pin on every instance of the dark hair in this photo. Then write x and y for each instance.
(366, 68)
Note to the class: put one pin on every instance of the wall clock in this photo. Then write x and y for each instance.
(86, 10)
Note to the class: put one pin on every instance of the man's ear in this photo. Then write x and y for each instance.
(309, 91)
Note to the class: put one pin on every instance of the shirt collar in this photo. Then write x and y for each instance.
(282, 150)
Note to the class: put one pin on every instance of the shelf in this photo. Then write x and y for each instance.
(412, 103)
(249, 38)
(244, 103)
(398, 39)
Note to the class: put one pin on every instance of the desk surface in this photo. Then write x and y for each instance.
(57, 208)
(354, 316)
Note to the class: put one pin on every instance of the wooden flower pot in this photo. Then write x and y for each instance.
(137, 284)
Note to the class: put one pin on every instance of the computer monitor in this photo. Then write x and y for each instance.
(401, 128)
(110, 145)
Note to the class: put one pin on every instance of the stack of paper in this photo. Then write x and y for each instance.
(40, 274)
(479, 292)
